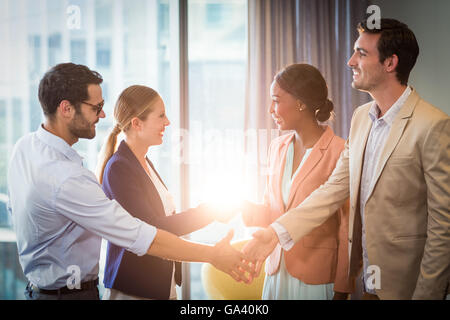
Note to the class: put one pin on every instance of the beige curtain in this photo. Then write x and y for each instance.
(281, 32)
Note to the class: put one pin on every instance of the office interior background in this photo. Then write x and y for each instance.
(212, 62)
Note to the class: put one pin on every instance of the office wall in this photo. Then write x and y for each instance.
(429, 20)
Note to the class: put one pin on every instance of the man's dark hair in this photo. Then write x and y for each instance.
(66, 81)
(396, 38)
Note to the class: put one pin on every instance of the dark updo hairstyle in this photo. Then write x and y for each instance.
(306, 83)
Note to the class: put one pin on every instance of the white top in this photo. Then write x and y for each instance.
(60, 213)
(169, 209)
(166, 198)
(287, 180)
(283, 236)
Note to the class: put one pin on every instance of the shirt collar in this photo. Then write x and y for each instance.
(390, 115)
(59, 144)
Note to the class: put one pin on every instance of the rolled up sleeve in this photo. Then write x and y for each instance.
(146, 235)
(284, 238)
(81, 199)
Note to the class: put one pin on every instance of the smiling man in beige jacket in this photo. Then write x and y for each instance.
(396, 169)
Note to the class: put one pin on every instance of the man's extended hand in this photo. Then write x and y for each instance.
(232, 261)
(258, 249)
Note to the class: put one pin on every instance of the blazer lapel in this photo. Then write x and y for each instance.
(313, 159)
(143, 177)
(278, 174)
(357, 149)
(156, 172)
(398, 126)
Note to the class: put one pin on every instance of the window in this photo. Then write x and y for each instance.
(129, 42)
(217, 71)
(37, 35)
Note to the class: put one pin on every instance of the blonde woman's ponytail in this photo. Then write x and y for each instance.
(108, 149)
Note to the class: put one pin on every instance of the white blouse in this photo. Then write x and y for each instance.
(169, 209)
(287, 180)
(166, 198)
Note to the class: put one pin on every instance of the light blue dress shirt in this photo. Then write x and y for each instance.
(60, 213)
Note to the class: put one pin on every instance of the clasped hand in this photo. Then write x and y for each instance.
(231, 261)
(245, 265)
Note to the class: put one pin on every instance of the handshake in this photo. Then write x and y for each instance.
(242, 265)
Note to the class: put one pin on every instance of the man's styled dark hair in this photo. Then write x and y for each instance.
(396, 38)
(66, 81)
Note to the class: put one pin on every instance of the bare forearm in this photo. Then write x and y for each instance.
(221, 255)
(185, 222)
(168, 246)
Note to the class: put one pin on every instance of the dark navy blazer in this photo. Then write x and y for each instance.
(147, 276)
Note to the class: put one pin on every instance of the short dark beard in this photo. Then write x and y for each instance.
(79, 127)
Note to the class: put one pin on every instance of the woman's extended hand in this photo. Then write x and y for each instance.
(232, 261)
(258, 249)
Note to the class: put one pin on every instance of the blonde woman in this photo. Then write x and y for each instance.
(128, 176)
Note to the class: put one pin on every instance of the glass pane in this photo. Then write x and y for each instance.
(4, 217)
(217, 71)
(78, 53)
(17, 119)
(103, 46)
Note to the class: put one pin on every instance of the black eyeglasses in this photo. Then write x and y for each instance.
(97, 107)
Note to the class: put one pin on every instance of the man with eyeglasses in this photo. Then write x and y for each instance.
(59, 210)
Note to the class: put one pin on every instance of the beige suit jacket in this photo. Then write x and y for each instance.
(407, 217)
